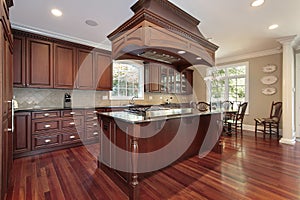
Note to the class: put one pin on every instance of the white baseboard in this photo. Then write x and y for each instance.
(248, 127)
(287, 141)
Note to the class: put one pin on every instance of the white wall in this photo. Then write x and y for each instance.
(297, 104)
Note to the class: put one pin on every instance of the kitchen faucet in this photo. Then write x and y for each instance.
(132, 100)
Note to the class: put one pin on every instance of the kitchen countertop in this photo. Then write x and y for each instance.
(37, 108)
(134, 118)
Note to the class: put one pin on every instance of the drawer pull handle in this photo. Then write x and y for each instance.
(47, 140)
(95, 118)
(95, 133)
(95, 124)
(47, 126)
(46, 114)
(72, 113)
(95, 111)
(72, 136)
(72, 123)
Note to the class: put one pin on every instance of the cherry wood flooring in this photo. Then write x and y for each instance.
(249, 168)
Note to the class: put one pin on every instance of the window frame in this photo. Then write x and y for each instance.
(227, 78)
(141, 80)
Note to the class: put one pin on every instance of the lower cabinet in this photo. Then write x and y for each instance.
(22, 133)
(42, 131)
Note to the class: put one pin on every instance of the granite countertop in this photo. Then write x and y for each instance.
(38, 108)
(134, 118)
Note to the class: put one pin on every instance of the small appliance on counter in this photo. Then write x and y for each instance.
(67, 100)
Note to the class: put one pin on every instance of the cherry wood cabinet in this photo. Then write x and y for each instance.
(6, 50)
(164, 79)
(39, 63)
(64, 66)
(19, 71)
(85, 69)
(22, 133)
(152, 77)
(103, 71)
(44, 62)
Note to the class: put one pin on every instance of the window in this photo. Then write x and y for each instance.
(128, 80)
(228, 83)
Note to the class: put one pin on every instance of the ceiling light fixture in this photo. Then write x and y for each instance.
(257, 3)
(273, 26)
(181, 52)
(198, 58)
(91, 22)
(56, 12)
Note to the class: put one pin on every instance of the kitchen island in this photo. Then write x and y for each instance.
(136, 143)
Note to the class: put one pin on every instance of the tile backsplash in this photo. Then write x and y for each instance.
(32, 97)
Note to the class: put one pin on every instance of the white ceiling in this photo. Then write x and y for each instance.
(235, 26)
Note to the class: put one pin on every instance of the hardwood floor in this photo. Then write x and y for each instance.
(247, 169)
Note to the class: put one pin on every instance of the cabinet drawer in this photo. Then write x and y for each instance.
(70, 137)
(38, 126)
(92, 124)
(45, 114)
(45, 141)
(70, 113)
(72, 122)
(93, 134)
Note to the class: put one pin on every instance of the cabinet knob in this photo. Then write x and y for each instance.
(47, 140)
(46, 114)
(95, 133)
(9, 130)
(47, 126)
(72, 113)
(72, 123)
(72, 136)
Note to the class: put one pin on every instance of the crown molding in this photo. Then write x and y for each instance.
(59, 36)
(268, 52)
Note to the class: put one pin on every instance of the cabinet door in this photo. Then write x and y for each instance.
(164, 79)
(19, 62)
(187, 82)
(64, 66)
(39, 63)
(152, 77)
(22, 133)
(85, 78)
(103, 71)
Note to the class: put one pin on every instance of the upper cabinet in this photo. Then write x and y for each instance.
(64, 66)
(164, 79)
(102, 68)
(39, 63)
(19, 74)
(85, 69)
(43, 62)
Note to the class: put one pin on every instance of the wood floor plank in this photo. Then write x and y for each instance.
(248, 169)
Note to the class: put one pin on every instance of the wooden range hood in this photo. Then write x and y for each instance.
(157, 32)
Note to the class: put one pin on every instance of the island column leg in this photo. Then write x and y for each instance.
(134, 194)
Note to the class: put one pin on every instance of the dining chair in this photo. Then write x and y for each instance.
(203, 106)
(271, 122)
(227, 105)
(238, 118)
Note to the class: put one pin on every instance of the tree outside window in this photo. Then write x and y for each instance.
(229, 83)
(128, 80)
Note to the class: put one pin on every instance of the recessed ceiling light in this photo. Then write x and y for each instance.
(198, 58)
(257, 3)
(273, 26)
(91, 22)
(56, 12)
(181, 52)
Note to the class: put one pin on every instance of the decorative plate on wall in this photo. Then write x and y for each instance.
(268, 80)
(269, 68)
(269, 91)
